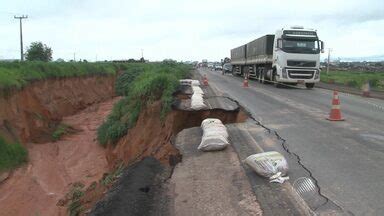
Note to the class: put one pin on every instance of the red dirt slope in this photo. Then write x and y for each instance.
(36, 188)
(31, 114)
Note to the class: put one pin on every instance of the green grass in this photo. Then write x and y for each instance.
(61, 130)
(111, 177)
(125, 79)
(75, 207)
(18, 74)
(355, 79)
(143, 86)
(11, 155)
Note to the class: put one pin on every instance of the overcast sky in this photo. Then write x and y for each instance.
(184, 30)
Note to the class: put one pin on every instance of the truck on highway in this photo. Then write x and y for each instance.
(291, 55)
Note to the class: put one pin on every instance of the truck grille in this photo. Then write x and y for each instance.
(293, 63)
(301, 74)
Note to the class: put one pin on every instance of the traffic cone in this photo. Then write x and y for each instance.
(205, 80)
(245, 82)
(366, 88)
(335, 114)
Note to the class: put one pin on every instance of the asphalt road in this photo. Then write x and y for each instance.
(346, 158)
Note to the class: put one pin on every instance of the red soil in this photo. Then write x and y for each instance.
(36, 188)
(31, 114)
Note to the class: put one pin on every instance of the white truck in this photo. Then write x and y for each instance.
(292, 55)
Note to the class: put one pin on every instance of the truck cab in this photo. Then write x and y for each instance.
(296, 56)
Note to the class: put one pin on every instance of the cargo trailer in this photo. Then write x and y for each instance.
(290, 56)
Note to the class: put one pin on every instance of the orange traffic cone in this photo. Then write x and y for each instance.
(245, 82)
(205, 80)
(335, 114)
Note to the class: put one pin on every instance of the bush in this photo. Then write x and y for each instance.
(354, 78)
(39, 52)
(151, 83)
(126, 78)
(352, 83)
(11, 155)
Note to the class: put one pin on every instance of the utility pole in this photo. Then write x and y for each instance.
(74, 57)
(329, 56)
(21, 35)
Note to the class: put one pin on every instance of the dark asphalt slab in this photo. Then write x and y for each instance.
(345, 158)
(139, 191)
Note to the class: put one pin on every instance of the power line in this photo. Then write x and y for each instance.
(21, 35)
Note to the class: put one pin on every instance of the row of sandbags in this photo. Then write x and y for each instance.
(272, 164)
(197, 99)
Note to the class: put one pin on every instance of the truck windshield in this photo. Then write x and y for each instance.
(300, 46)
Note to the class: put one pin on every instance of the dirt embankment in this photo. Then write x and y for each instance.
(54, 167)
(31, 114)
(153, 137)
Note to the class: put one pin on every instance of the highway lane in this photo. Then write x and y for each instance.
(346, 158)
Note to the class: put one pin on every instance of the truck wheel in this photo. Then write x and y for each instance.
(262, 78)
(309, 85)
(275, 83)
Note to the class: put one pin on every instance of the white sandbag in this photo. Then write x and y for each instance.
(197, 102)
(195, 82)
(210, 121)
(197, 90)
(270, 164)
(215, 135)
(189, 82)
(186, 82)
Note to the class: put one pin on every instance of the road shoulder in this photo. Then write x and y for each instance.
(210, 183)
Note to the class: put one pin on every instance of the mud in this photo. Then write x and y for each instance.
(53, 167)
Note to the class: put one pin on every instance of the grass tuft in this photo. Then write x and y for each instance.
(61, 130)
(75, 207)
(11, 155)
(111, 177)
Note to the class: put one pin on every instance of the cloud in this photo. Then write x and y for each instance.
(185, 30)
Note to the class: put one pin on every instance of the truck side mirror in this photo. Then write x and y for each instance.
(322, 46)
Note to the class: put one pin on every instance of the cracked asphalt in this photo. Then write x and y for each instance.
(344, 158)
